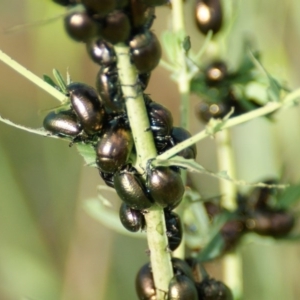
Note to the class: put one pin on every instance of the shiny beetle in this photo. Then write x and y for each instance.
(178, 135)
(133, 220)
(275, 223)
(141, 15)
(109, 89)
(63, 123)
(101, 52)
(114, 147)
(100, 8)
(87, 107)
(205, 111)
(183, 288)
(161, 120)
(174, 230)
(161, 123)
(165, 186)
(80, 26)
(144, 284)
(211, 289)
(209, 16)
(130, 188)
(145, 51)
(144, 79)
(180, 267)
(215, 73)
(115, 27)
(108, 178)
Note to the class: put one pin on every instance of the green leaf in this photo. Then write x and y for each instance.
(290, 237)
(192, 166)
(87, 151)
(274, 88)
(215, 245)
(213, 249)
(289, 196)
(51, 82)
(60, 81)
(39, 131)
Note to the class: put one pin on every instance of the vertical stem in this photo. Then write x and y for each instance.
(184, 79)
(184, 90)
(232, 262)
(145, 147)
(226, 163)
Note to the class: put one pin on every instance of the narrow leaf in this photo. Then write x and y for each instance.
(49, 80)
(88, 153)
(39, 131)
(60, 81)
(289, 196)
(192, 166)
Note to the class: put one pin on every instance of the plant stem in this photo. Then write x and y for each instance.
(183, 83)
(184, 78)
(32, 77)
(145, 147)
(232, 262)
(259, 112)
(226, 162)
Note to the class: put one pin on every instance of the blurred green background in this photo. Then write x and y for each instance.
(50, 248)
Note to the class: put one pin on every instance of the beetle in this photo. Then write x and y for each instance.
(180, 267)
(144, 283)
(145, 51)
(165, 186)
(215, 73)
(270, 222)
(80, 26)
(108, 178)
(209, 16)
(114, 147)
(144, 79)
(178, 135)
(100, 8)
(131, 189)
(133, 220)
(109, 89)
(101, 52)
(183, 288)
(141, 16)
(63, 123)
(115, 27)
(211, 289)
(174, 229)
(87, 107)
(161, 123)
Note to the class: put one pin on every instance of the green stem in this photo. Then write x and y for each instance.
(145, 147)
(267, 109)
(184, 78)
(231, 262)
(32, 77)
(183, 83)
(226, 162)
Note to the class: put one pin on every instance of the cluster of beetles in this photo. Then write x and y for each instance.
(98, 117)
